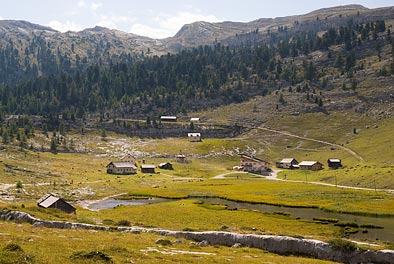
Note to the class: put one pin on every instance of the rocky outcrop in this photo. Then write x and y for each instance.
(277, 244)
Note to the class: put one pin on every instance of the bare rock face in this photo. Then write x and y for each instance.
(277, 244)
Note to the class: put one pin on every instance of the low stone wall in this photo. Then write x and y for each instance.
(276, 244)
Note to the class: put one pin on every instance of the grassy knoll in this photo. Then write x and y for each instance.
(43, 245)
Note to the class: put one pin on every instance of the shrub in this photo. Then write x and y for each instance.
(19, 185)
(342, 245)
(13, 247)
(346, 223)
(124, 223)
(163, 242)
(14, 254)
(93, 255)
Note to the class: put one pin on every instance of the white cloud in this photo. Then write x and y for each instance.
(112, 21)
(1, 18)
(144, 30)
(169, 25)
(82, 4)
(95, 6)
(174, 23)
(64, 27)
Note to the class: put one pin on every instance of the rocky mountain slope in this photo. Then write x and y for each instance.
(28, 50)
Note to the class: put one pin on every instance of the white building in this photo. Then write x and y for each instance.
(194, 137)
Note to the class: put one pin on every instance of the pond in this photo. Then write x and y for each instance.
(371, 234)
(110, 203)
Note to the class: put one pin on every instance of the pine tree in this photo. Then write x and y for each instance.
(53, 145)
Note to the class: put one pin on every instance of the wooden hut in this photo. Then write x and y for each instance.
(310, 165)
(148, 168)
(51, 201)
(334, 163)
(287, 163)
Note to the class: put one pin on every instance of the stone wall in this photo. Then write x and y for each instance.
(276, 244)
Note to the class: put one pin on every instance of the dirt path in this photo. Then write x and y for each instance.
(223, 176)
(273, 176)
(312, 139)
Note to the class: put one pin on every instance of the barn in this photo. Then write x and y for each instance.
(287, 163)
(122, 168)
(51, 201)
(310, 165)
(334, 163)
(148, 168)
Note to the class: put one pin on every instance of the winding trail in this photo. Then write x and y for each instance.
(223, 176)
(273, 177)
(314, 140)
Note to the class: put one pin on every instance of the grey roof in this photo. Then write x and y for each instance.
(123, 165)
(253, 158)
(308, 163)
(126, 156)
(164, 163)
(148, 166)
(47, 200)
(287, 160)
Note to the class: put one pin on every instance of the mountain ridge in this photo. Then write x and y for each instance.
(37, 47)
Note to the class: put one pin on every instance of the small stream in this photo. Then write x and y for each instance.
(385, 234)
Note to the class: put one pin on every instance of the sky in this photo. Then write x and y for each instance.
(154, 18)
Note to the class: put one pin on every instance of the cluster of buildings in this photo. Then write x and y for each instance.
(193, 137)
(127, 165)
(292, 163)
(255, 165)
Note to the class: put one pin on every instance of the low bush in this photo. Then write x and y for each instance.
(93, 255)
(342, 244)
(124, 223)
(14, 254)
(346, 223)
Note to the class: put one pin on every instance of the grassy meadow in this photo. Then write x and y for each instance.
(78, 177)
(22, 243)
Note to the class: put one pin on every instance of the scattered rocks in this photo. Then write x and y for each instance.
(237, 245)
(203, 243)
